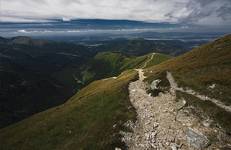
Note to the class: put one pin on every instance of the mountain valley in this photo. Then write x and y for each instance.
(153, 101)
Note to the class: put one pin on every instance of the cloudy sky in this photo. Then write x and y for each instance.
(205, 12)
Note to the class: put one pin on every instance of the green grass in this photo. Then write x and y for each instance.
(199, 68)
(119, 62)
(202, 67)
(84, 122)
(107, 64)
(157, 59)
(209, 109)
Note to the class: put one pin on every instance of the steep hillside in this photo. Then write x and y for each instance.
(205, 73)
(180, 110)
(91, 119)
(27, 81)
(188, 105)
(39, 74)
(95, 115)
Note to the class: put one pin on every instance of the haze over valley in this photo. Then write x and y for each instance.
(115, 75)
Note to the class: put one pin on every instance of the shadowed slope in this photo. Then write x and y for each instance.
(84, 122)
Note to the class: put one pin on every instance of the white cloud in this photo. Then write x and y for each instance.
(196, 11)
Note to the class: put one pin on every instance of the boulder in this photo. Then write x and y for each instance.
(196, 139)
(180, 104)
(154, 84)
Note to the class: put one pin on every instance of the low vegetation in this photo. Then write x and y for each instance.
(209, 110)
(106, 64)
(199, 69)
(91, 119)
(36, 75)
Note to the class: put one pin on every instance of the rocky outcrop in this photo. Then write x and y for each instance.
(154, 84)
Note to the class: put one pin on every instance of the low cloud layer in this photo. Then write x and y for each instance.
(206, 12)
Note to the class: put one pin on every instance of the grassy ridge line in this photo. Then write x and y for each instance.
(107, 64)
(200, 68)
(118, 62)
(157, 59)
(84, 122)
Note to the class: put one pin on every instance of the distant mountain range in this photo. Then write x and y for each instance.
(95, 117)
(92, 24)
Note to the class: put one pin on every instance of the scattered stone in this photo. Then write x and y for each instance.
(114, 126)
(163, 123)
(174, 146)
(129, 124)
(212, 86)
(180, 104)
(207, 123)
(118, 148)
(155, 125)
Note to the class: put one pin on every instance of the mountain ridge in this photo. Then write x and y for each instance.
(94, 117)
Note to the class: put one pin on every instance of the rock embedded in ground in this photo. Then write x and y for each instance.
(196, 139)
(154, 84)
(180, 104)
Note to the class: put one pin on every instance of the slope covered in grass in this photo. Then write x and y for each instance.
(200, 68)
(39, 74)
(106, 64)
(91, 119)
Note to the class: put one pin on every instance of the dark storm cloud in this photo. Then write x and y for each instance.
(216, 12)
(211, 11)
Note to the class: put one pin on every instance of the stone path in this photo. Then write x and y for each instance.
(191, 92)
(162, 123)
(156, 127)
(145, 64)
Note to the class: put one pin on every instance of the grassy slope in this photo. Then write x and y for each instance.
(200, 68)
(157, 59)
(106, 64)
(84, 122)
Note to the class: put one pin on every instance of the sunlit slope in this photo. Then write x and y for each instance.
(106, 64)
(201, 67)
(207, 70)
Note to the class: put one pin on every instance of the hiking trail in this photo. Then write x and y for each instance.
(162, 123)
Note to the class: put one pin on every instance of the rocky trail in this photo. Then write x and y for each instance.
(191, 92)
(149, 60)
(163, 123)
